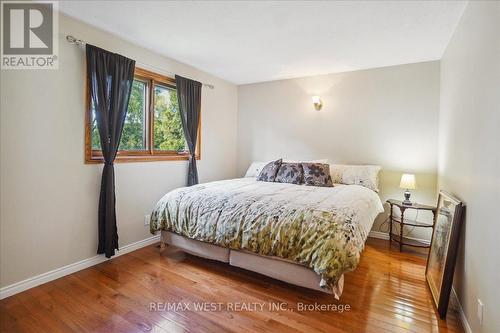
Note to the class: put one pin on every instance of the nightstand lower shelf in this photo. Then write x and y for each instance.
(400, 239)
(413, 223)
(409, 241)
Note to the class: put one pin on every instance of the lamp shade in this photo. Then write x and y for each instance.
(408, 181)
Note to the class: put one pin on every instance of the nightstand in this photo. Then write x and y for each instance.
(402, 222)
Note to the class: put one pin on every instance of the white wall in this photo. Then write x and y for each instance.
(469, 154)
(49, 196)
(386, 116)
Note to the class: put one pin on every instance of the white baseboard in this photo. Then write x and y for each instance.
(71, 268)
(379, 235)
(461, 313)
(385, 235)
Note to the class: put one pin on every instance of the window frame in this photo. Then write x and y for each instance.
(94, 156)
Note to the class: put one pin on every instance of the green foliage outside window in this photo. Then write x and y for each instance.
(96, 143)
(168, 133)
(133, 135)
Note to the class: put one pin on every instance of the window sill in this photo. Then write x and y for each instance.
(97, 159)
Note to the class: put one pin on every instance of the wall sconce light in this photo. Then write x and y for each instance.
(318, 104)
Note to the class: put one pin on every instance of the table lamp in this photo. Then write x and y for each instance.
(407, 183)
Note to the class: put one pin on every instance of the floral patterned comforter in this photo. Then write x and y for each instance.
(323, 228)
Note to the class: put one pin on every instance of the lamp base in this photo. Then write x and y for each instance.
(407, 201)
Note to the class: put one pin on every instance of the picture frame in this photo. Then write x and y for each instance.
(443, 249)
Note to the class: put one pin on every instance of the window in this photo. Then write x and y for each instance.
(152, 130)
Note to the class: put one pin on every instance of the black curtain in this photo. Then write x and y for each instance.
(110, 78)
(189, 98)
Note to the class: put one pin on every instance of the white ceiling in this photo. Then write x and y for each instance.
(254, 41)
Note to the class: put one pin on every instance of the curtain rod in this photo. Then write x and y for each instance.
(79, 42)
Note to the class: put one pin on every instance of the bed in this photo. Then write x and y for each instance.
(305, 235)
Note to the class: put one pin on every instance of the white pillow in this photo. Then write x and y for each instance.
(254, 168)
(364, 175)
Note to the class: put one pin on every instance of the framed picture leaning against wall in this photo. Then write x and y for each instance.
(444, 247)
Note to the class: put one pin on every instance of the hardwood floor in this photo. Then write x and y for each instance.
(386, 293)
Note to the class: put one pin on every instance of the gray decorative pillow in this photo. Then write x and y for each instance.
(291, 173)
(317, 174)
(269, 171)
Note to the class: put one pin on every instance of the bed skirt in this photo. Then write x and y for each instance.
(277, 268)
